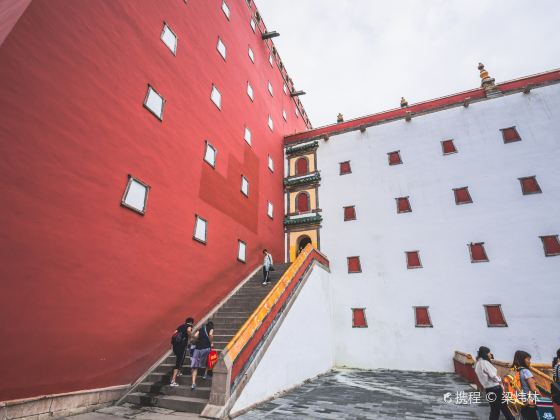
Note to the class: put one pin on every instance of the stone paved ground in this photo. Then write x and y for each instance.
(344, 394)
(377, 394)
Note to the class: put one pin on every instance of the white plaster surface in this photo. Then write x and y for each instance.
(518, 275)
(302, 347)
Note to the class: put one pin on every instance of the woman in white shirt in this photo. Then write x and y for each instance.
(492, 384)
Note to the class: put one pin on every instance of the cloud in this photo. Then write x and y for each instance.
(359, 57)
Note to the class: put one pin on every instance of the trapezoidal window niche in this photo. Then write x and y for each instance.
(403, 205)
(510, 135)
(251, 55)
(448, 147)
(221, 48)
(354, 265)
(270, 210)
(270, 123)
(359, 318)
(210, 154)
(422, 317)
(284, 115)
(154, 102)
(169, 38)
(551, 245)
(200, 229)
(413, 259)
(477, 252)
(349, 213)
(394, 158)
(462, 195)
(253, 25)
(529, 185)
(216, 97)
(270, 164)
(303, 204)
(225, 9)
(244, 186)
(135, 195)
(344, 168)
(271, 60)
(495, 316)
(270, 89)
(241, 251)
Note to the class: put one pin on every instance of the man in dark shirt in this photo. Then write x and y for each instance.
(204, 342)
(179, 341)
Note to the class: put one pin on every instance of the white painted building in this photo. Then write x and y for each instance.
(518, 281)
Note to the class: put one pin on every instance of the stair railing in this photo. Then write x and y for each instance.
(237, 357)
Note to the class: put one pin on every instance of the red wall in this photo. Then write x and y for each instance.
(91, 291)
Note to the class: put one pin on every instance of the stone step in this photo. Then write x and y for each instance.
(171, 402)
(184, 380)
(183, 390)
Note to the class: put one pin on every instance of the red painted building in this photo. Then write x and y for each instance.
(92, 289)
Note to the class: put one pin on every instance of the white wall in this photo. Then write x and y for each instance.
(302, 347)
(518, 276)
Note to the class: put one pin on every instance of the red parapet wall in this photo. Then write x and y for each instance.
(92, 291)
(245, 354)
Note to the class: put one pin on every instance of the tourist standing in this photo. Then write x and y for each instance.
(492, 383)
(179, 342)
(522, 362)
(267, 266)
(204, 342)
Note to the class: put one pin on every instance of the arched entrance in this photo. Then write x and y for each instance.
(302, 242)
(302, 202)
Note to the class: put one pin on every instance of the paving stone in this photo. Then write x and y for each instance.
(376, 394)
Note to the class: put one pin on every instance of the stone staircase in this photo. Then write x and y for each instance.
(228, 319)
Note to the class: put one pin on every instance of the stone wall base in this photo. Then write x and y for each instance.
(61, 405)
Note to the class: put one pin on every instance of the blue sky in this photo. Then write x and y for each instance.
(359, 57)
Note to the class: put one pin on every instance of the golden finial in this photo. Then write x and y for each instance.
(404, 103)
(487, 82)
(339, 118)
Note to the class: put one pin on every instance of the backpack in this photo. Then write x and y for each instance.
(512, 389)
(179, 338)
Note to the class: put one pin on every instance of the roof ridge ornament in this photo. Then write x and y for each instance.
(339, 118)
(487, 82)
(404, 102)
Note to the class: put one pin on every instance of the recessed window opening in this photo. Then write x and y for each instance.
(354, 265)
(551, 245)
(510, 135)
(169, 38)
(395, 158)
(225, 9)
(250, 90)
(244, 186)
(270, 210)
(422, 316)
(135, 195)
(270, 123)
(200, 227)
(154, 103)
(241, 251)
(495, 316)
(216, 97)
(270, 163)
(345, 168)
(462, 195)
(210, 154)
(251, 55)
(477, 252)
(529, 185)
(359, 318)
(349, 213)
(302, 166)
(221, 48)
(413, 259)
(247, 135)
(302, 202)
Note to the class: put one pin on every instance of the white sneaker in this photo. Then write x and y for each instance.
(179, 373)
(173, 384)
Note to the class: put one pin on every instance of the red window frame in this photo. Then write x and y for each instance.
(448, 147)
(345, 168)
(462, 195)
(349, 213)
(403, 205)
(529, 185)
(413, 260)
(422, 317)
(495, 316)
(354, 265)
(510, 135)
(359, 319)
(551, 245)
(395, 158)
(478, 252)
